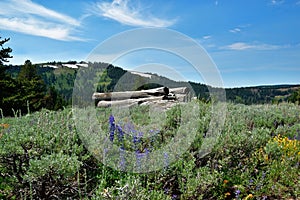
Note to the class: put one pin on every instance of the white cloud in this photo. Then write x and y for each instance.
(276, 2)
(206, 37)
(121, 11)
(235, 30)
(30, 18)
(240, 46)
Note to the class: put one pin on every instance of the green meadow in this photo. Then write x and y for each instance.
(255, 155)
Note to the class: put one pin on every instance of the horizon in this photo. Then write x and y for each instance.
(252, 43)
(155, 73)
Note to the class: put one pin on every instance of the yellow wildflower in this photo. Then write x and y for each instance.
(250, 196)
(4, 125)
(227, 194)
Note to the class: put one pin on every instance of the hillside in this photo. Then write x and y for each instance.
(61, 76)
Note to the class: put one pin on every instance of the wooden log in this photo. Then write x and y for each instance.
(179, 90)
(161, 91)
(127, 102)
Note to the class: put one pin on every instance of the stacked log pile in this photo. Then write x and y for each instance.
(163, 97)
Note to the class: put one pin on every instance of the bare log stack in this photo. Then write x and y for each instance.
(130, 98)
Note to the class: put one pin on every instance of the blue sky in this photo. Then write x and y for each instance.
(252, 42)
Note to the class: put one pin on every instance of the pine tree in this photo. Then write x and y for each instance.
(4, 52)
(7, 84)
(32, 88)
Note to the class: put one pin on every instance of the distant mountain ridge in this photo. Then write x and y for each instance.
(61, 75)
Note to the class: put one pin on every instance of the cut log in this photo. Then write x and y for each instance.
(162, 97)
(127, 102)
(138, 94)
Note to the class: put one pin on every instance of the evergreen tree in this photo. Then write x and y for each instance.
(7, 84)
(28, 72)
(4, 55)
(4, 52)
(32, 88)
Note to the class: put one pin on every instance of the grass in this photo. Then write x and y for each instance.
(152, 154)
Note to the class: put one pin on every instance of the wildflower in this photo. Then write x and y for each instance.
(225, 181)
(237, 193)
(147, 151)
(227, 194)
(140, 135)
(166, 190)
(139, 157)
(135, 141)
(112, 128)
(4, 125)
(122, 159)
(129, 128)
(250, 196)
(105, 193)
(121, 133)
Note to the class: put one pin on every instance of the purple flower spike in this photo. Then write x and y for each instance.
(112, 128)
(121, 133)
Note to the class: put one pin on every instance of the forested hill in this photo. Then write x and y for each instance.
(264, 94)
(58, 80)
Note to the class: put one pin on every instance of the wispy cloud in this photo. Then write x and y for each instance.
(240, 28)
(30, 18)
(276, 2)
(235, 30)
(206, 37)
(123, 12)
(240, 46)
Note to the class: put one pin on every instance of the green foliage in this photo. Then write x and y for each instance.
(255, 157)
(27, 92)
(295, 97)
(42, 157)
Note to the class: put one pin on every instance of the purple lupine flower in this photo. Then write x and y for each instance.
(138, 156)
(111, 120)
(166, 190)
(140, 135)
(147, 151)
(237, 193)
(122, 163)
(112, 128)
(129, 128)
(121, 133)
(135, 141)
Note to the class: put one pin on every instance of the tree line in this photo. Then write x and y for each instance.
(27, 92)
